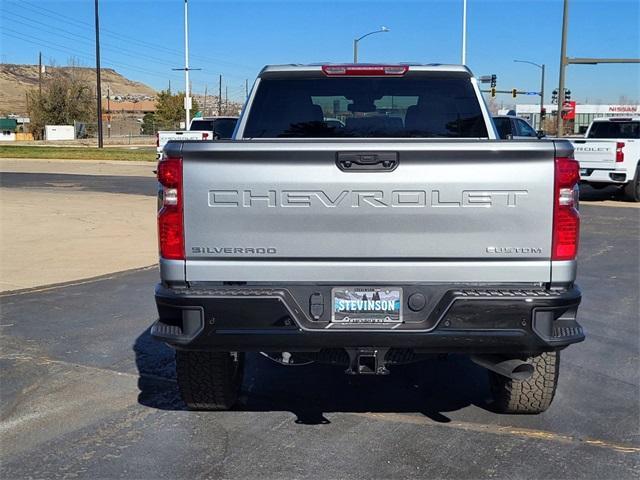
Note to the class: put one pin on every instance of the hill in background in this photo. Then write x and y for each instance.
(16, 80)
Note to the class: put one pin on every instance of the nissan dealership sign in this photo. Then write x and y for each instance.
(602, 109)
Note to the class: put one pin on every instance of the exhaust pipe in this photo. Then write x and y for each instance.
(513, 368)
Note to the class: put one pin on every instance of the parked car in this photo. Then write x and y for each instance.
(610, 155)
(513, 127)
(207, 128)
(409, 232)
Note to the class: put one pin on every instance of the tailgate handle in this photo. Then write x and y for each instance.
(370, 161)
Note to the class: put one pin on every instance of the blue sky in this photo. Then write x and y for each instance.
(144, 39)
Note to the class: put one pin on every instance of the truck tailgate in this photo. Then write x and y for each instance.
(460, 211)
(181, 135)
(595, 153)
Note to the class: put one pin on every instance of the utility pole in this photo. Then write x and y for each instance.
(246, 88)
(98, 86)
(542, 111)
(40, 73)
(226, 98)
(108, 111)
(563, 64)
(464, 32)
(220, 95)
(204, 106)
(187, 98)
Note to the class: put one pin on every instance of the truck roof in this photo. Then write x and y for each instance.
(617, 119)
(317, 67)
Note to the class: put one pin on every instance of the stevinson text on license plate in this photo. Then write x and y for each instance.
(366, 305)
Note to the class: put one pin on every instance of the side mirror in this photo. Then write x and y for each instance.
(540, 134)
(509, 136)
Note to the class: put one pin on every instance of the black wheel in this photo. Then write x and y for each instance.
(209, 380)
(533, 395)
(632, 189)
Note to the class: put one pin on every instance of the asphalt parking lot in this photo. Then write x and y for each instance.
(86, 393)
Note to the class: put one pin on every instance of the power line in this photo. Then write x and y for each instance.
(130, 39)
(86, 57)
(82, 38)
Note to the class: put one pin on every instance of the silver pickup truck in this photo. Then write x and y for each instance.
(403, 231)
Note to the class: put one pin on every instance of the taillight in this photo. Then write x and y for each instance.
(205, 136)
(566, 219)
(157, 140)
(170, 218)
(619, 152)
(365, 70)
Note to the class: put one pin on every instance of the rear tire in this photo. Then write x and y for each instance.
(533, 395)
(209, 380)
(632, 189)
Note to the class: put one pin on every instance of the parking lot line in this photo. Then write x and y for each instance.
(503, 430)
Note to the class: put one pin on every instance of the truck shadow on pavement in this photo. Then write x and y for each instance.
(432, 387)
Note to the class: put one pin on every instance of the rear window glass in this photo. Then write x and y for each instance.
(615, 130)
(504, 126)
(412, 106)
(224, 127)
(204, 125)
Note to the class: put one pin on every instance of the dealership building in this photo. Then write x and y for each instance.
(584, 113)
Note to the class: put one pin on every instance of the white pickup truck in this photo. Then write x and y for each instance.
(203, 128)
(610, 155)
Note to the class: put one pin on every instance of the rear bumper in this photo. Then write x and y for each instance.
(603, 175)
(495, 319)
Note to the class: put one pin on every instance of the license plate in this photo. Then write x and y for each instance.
(366, 305)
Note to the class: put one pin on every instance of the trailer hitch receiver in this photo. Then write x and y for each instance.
(367, 361)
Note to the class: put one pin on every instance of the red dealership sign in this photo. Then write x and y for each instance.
(569, 110)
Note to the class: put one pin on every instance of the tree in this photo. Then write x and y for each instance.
(170, 110)
(66, 97)
(149, 124)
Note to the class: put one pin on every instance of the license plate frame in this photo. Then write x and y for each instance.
(370, 313)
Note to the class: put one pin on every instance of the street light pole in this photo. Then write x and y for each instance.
(187, 87)
(542, 68)
(464, 32)
(563, 64)
(356, 40)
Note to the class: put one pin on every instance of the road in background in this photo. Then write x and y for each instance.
(59, 227)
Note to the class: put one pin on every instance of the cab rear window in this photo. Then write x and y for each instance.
(614, 129)
(421, 106)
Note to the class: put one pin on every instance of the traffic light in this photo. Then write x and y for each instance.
(554, 96)
(493, 92)
(567, 94)
(494, 82)
(514, 92)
